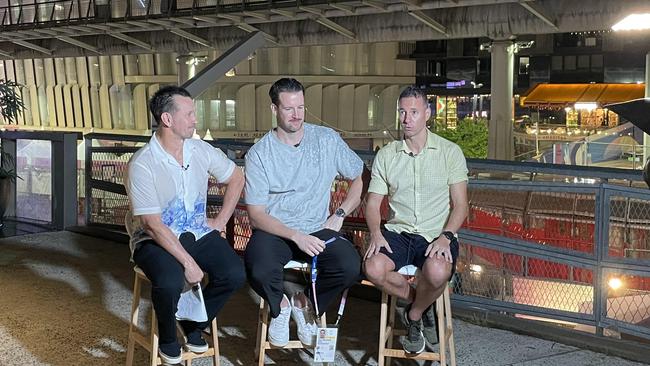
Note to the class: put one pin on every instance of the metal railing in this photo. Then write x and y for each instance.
(82, 11)
(559, 242)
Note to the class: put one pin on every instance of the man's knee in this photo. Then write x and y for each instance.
(168, 284)
(260, 272)
(375, 269)
(436, 272)
(236, 276)
(350, 264)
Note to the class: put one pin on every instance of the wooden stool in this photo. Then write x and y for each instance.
(262, 327)
(150, 341)
(387, 329)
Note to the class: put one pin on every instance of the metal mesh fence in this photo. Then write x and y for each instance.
(558, 219)
(525, 280)
(628, 299)
(629, 230)
(108, 207)
(109, 166)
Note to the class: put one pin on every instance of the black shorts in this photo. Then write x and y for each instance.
(410, 249)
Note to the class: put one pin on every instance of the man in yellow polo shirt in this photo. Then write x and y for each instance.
(421, 175)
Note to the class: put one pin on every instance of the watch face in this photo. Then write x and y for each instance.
(339, 212)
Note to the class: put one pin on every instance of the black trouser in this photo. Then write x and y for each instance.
(213, 255)
(338, 267)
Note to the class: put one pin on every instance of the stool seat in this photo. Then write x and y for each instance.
(262, 328)
(387, 329)
(150, 341)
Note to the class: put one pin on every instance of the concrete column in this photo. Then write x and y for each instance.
(500, 143)
(646, 137)
(186, 69)
(314, 103)
(331, 105)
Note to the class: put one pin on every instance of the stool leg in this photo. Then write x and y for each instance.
(383, 318)
(214, 332)
(450, 329)
(135, 310)
(391, 322)
(442, 338)
(262, 325)
(154, 338)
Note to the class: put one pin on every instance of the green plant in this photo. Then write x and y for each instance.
(470, 134)
(8, 170)
(11, 104)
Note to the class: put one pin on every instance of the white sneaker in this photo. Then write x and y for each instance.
(304, 318)
(279, 327)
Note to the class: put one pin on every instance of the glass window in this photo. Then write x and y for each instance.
(556, 63)
(583, 62)
(569, 62)
(214, 114)
(524, 62)
(596, 62)
(231, 120)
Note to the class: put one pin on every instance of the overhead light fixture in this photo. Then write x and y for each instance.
(633, 22)
(588, 106)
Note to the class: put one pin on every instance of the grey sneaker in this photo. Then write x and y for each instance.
(413, 342)
(279, 327)
(429, 328)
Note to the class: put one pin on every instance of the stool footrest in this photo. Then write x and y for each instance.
(290, 345)
(398, 353)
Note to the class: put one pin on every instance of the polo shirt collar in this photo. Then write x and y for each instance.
(161, 154)
(432, 143)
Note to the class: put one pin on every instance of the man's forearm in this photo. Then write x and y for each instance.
(164, 237)
(231, 197)
(457, 216)
(259, 219)
(373, 216)
(357, 191)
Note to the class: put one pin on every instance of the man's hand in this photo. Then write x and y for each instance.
(308, 243)
(377, 241)
(439, 248)
(193, 273)
(334, 222)
(216, 224)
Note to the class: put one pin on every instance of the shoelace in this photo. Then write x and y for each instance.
(414, 330)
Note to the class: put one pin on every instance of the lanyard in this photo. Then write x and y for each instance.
(314, 276)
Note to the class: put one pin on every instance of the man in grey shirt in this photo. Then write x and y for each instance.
(289, 175)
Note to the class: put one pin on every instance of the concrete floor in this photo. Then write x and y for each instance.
(65, 300)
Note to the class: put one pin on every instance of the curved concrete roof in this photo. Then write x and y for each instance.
(293, 23)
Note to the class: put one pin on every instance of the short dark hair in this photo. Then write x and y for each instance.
(415, 92)
(163, 100)
(284, 85)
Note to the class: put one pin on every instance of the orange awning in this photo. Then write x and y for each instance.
(568, 94)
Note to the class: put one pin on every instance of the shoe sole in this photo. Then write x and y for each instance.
(196, 349)
(279, 345)
(417, 352)
(167, 360)
(310, 345)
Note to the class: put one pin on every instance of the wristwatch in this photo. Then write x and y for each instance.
(449, 235)
(340, 212)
